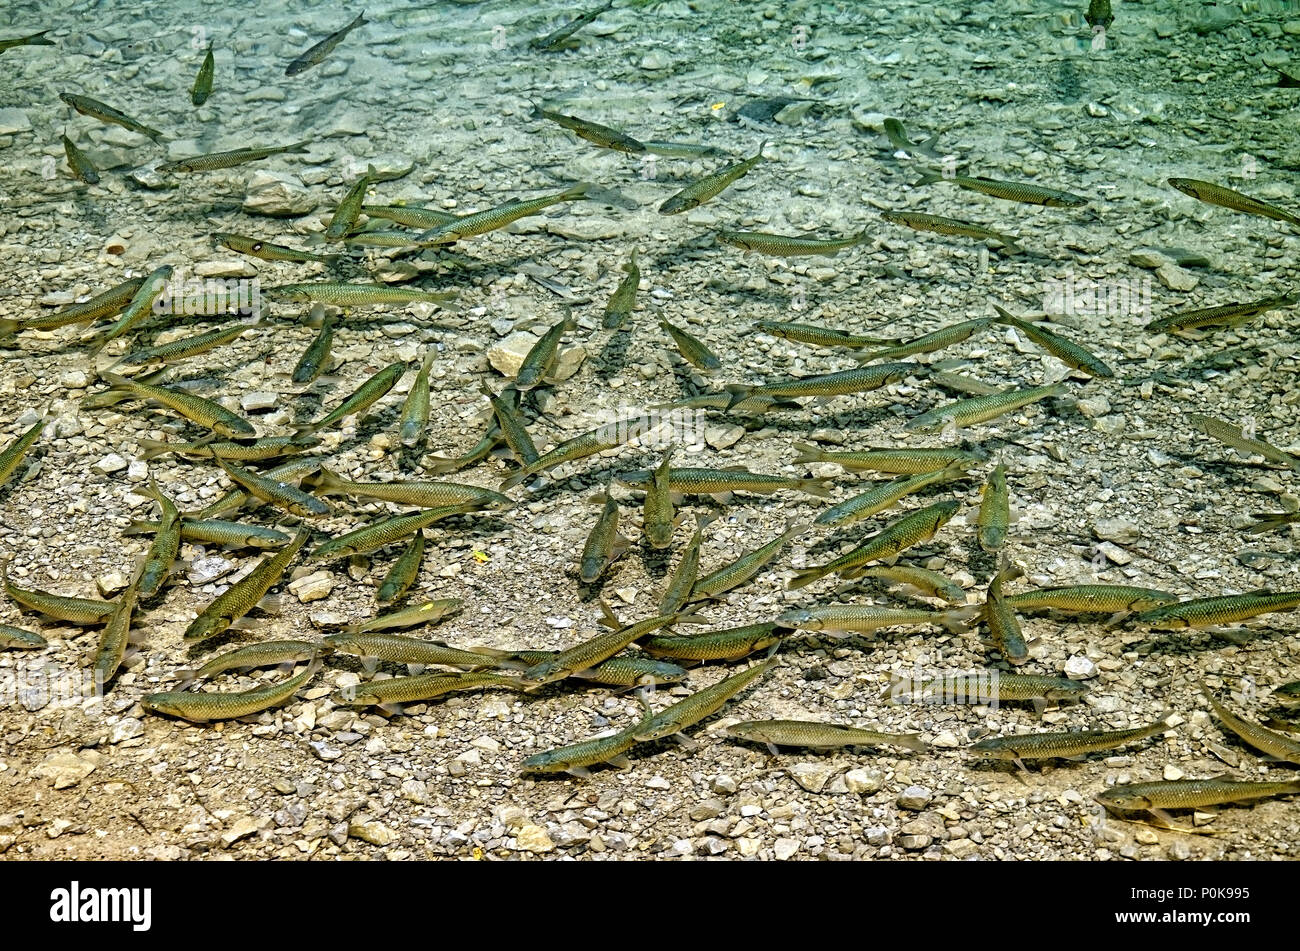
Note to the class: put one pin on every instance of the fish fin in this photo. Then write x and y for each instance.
(391, 709)
(912, 741)
(619, 762)
(1039, 705)
(807, 452)
(271, 604)
(817, 486)
(245, 624)
(803, 578)
(927, 178)
(579, 772)
(608, 617)
(686, 742)
(577, 191)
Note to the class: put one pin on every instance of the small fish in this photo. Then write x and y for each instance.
(115, 637)
(697, 706)
(322, 49)
(814, 735)
(357, 295)
(1233, 436)
(981, 409)
(1099, 14)
(400, 649)
(203, 412)
(623, 300)
(658, 519)
(1003, 625)
(202, 87)
(185, 348)
(403, 572)
(710, 186)
(1224, 315)
(61, 607)
(398, 690)
(162, 552)
(14, 454)
(928, 343)
(252, 656)
(344, 220)
(1090, 599)
(897, 137)
(380, 239)
(1064, 745)
(927, 582)
(402, 492)
(1067, 351)
(1270, 522)
(491, 439)
(481, 222)
(426, 612)
(895, 538)
(986, 687)
(142, 304)
(994, 516)
(720, 482)
(415, 409)
(292, 471)
(205, 707)
(512, 426)
(593, 651)
(388, 531)
(249, 450)
(540, 359)
(788, 246)
(213, 161)
(1275, 744)
(412, 216)
(605, 436)
(280, 494)
(733, 575)
(15, 638)
(1190, 793)
(242, 596)
(576, 757)
(599, 135)
(936, 224)
(1213, 194)
(267, 251)
(1224, 609)
(107, 304)
(678, 592)
(817, 336)
(834, 619)
(556, 38)
(106, 113)
(732, 643)
(826, 385)
(893, 461)
(361, 399)
(604, 544)
(884, 495)
(317, 354)
(1008, 191)
(692, 349)
(217, 532)
(681, 149)
(81, 166)
(34, 39)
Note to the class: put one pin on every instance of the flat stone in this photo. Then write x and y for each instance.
(258, 401)
(915, 798)
(1080, 668)
(785, 848)
(568, 361)
(1175, 278)
(277, 196)
(864, 781)
(533, 838)
(242, 829)
(208, 569)
(63, 770)
(14, 120)
(312, 587)
(374, 832)
(811, 776)
(506, 356)
(109, 464)
(1117, 530)
(723, 437)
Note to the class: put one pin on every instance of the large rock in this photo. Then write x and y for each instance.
(277, 196)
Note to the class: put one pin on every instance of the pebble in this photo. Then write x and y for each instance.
(109, 464)
(242, 829)
(1080, 668)
(110, 583)
(915, 798)
(812, 776)
(277, 196)
(864, 781)
(533, 838)
(506, 356)
(74, 379)
(376, 833)
(1175, 278)
(63, 770)
(723, 437)
(313, 587)
(1117, 530)
(208, 569)
(14, 120)
(259, 400)
(785, 848)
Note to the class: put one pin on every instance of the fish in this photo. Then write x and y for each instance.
(928, 343)
(344, 219)
(268, 251)
(1233, 436)
(202, 87)
(710, 186)
(15, 638)
(397, 690)
(733, 575)
(251, 656)
(1008, 191)
(1270, 522)
(81, 166)
(242, 596)
(13, 454)
(1277, 745)
(105, 304)
(106, 113)
(1067, 351)
(731, 643)
(141, 305)
(357, 295)
(599, 135)
(319, 51)
(217, 532)
(162, 552)
(426, 612)
(681, 149)
(481, 222)
(184, 348)
(388, 531)
(593, 651)
(317, 354)
(678, 592)
(623, 301)
(1223, 609)
(204, 707)
(895, 538)
(720, 482)
(835, 619)
(693, 350)
(960, 383)
(826, 385)
(412, 216)
(697, 706)
(1000, 617)
(897, 137)
(927, 582)
(603, 437)
(817, 336)
(61, 607)
(1099, 14)
(658, 523)
(1064, 745)
(1213, 194)
(604, 543)
(885, 494)
(1224, 315)
(789, 246)
(403, 492)
(291, 471)
(981, 409)
(249, 450)
(213, 161)
(1090, 599)
(555, 39)
(994, 516)
(937, 224)
(400, 649)
(380, 239)
(280, 494)
(114, 639)
(815, 735)
(415, 409)
(361, 399)
(987, 686)
(196, 409)
(512, 426)
(622, 670)
(900, 461)
(1190, 793)
(403, 572)
(33, 39)
(540, 359)
(754, 405)
(574, 758)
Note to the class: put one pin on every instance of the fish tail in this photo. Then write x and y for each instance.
(114, 381)
(804, 577)
(927, 178)
(912, 741)
(1009, 244)
(739, 393)
(816, 485)
(152, 448)
(576, 192)
(323, 481)
(807, 453)
(960, 619)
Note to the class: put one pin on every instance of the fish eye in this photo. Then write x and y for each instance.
(257, 246)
